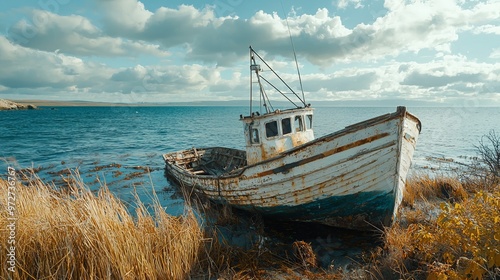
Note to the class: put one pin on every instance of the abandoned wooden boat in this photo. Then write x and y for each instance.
(352, 178)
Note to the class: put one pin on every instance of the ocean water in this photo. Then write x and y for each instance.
(123, 146)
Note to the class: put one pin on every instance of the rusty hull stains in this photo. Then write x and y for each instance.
(286, 167)
(347, 178)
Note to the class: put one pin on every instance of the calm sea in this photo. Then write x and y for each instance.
(118, 145)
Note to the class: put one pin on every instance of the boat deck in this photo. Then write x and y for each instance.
(210, 161)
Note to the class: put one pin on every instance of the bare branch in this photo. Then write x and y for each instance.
(489, 151)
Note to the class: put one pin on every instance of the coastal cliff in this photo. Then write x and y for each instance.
(10, 105)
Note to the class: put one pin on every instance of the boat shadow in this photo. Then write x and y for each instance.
(333, 247)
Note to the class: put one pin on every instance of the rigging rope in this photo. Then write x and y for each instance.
(272, 70)
(294, 54)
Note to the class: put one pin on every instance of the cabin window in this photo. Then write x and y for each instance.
(271, 129)
(298, 124)
(254, 136)
(309, 121)
(286, 126)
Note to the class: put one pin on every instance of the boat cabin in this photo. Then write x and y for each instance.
(272, 133)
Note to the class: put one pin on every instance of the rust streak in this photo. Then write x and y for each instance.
(355, 144)
(322, 155)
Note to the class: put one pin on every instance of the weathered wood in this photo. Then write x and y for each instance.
(351, 178)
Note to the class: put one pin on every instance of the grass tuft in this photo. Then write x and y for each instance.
(424, 188)
(74, 234)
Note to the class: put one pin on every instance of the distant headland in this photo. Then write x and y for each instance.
(11, 105)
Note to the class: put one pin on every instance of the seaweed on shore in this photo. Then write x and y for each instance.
(108, 166)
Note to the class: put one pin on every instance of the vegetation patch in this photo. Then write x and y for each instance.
(460, 241)
(449, 228)
(78, 235)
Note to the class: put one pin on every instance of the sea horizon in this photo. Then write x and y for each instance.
(242, 102)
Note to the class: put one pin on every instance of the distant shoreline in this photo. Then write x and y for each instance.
(55, 103)
(350, 103)
(9, 105)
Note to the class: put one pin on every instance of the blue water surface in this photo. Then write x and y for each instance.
(118, 145)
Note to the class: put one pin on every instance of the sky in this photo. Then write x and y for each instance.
(129, 51)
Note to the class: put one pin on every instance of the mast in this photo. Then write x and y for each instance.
(251, 81)
(254, 67)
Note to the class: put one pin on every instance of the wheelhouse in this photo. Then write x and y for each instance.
(270, 134)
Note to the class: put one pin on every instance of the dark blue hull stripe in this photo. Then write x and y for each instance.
(371, 207)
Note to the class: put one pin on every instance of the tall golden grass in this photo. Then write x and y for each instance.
(451, 231)
(425, 187)
(75, 234)
(448, 230)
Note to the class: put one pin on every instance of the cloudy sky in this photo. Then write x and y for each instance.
(443, 51)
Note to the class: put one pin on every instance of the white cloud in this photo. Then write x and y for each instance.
(323, 39)
(130, 15)
(212, 52)
(170, 26)
(483, 12)
(342, 4)
(487, 29)
(136, 73)
(320, 37)
(66, 75)
(75, 35)
(495, 54)
(51, 70)
(445, 79)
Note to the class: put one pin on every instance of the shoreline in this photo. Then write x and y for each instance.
(9, 105)
(57, 103)
(354, 104)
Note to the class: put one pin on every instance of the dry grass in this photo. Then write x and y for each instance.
(78, 235)
(449, 231)
(304, 253)
(425, 188)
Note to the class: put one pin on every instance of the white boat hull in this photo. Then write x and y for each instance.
(353, 178)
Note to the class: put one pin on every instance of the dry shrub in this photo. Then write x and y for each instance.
(396, 259)
(449, 231)
(79, 235)
(425, 187)
(483, 172)
(415, 216)
(489, 151)
(477, 178)
(462, 242)
(465, 238)
(399, 243)
(304, 253)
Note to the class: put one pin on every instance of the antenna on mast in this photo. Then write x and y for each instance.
(294, 54)
(255, 68)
